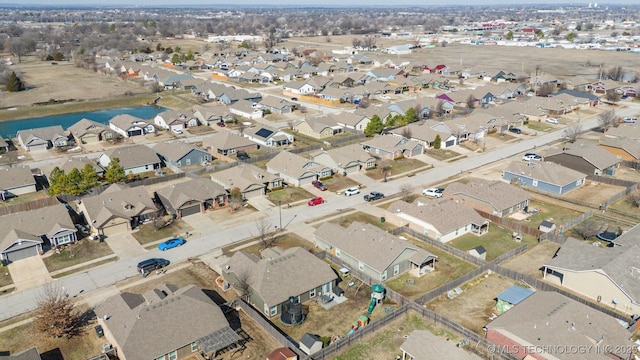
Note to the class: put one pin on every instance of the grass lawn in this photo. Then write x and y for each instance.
(200, 130)
(556, 214)
(623, 205)
(448, 268)
(441, 154)
(539, 126)
(25, 198)
(497, 241)
(78, 253)
(338, 183)
(385, 343)
(84, 268)
(285, 241)
(397, 167)
(82, 346)
(147, 233)
(346, 220)
(5, 277)
(289, 194)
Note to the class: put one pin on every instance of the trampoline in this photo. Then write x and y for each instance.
(609, 236)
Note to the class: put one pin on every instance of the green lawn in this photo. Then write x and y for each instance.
(497, 241)
(554, 213)
(399, 166)
(539, 126)
(441, 154)
(346, 220)
(448, 268)
(147, 233)
(289, 194)
(78, 253)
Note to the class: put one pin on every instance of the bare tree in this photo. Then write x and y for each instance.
(587, 229)
(406, 192)
(546, 89)
(56, 315)
(616, 73)
(235, 199)
(471, 101)
(607, 120)
(385, 167)
(612, 96)
(241, 282)
(572, 132)
(634, 198)
(265, 235)
(406, 132)
(369, 42)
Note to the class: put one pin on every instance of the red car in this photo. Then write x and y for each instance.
(319, 185)
(316, 201)
(221, 124)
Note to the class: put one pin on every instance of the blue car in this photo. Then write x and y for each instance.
(171, 243)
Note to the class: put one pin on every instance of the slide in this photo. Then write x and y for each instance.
(351, 331)
(372, 305)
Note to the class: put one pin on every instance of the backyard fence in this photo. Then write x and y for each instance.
(452, 285)
(511, 224)
(611, 181)
(27, 206)
(510, 254)
(619, 195)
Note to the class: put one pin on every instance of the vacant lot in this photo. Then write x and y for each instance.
(594, 193)
(473, 308)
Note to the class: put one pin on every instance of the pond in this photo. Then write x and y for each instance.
(8, 129)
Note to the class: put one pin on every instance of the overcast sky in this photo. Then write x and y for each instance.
(301, 2)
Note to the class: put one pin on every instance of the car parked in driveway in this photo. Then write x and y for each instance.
(319, 185)
(352, 191)
(433, 192)
(531, 157)
(373, 196)
(515, 131)
(316, 201)
(553, 121)
(221, 124)
(176, 131)
(171, 243)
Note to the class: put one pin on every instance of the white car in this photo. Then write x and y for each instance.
(552, 121)
(384, 97)
(352, 191)
(433, 192)
(176, 131)
(630, 120)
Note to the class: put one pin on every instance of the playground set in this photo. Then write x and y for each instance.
(377, 296)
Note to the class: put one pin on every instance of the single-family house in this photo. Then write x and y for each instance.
(622, 148)
(225, 143)
(165, 323)
(442, 220)
(353, 121)
(251, 180)
(608, 275)
(176, 155)
(67, 164)
(15, 181)
(307, 87)
(631, 131)
(296, 170)
(24, 234)
(118, 209)
(42, 138)
(585, 158)
(176, 120)
(209, 115)
(246, 109)
(345, 160)
(87, 131)
(426, 132)
(129, 125)
(423, 345)
(133, 159)
(373, 251)
(547, 320)
(191, 197)
(267, 136)
(544, 175)
(28, 354)
(319, 127)
(392, 147)
(269, 282)
(276, 105)
(494, 197)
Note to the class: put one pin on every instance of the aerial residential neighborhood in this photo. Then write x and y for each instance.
(362, 182)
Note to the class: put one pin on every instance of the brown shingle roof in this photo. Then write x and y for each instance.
(497, 194)
(444, 214)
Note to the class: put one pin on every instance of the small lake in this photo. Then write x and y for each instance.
(8, 129)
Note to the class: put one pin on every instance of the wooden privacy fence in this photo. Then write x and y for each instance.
(31, 205)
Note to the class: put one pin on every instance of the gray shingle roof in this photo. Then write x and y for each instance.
(629, 145)
(282, 273)
(368, 243)
(545, 171)
(45, 133)
(133, 156)
(593, 154)
(86, 126)
(224, 141)
(554, 321)
(391, 143)
(33, 224)
(15, 177)
(125, 121)
(497, 194)
(422, 345)
(117, 201)
(293, 165)
(200, 189)
(444, 214)
(160, 321)
(175, 151)
(243, 176)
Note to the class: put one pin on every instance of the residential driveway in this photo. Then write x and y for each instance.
(201, 223)
(363, 179)
(260, 203)
(29, 273)
(125, 246)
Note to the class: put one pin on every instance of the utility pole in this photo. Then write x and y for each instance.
(280, 212)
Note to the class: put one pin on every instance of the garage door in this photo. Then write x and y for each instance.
(253, 193)
(115, 229)
(190, 210)
(449, 143)
(307, 180)
(352, 169)
(22, 253)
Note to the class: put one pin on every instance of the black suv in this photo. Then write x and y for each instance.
(374, 195)
(152, 264)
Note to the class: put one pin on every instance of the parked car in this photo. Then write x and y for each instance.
(319, 185)
(294, 99)
(352, 191)
(221, 124)
(176, 131)
(171, 243)
(374, 195)
(515, 130)
(531, 157)
(552, 121)
(241, 155)
(630, 120)
(384, 97)
(152, 264)
(316, 201)
(433, 192)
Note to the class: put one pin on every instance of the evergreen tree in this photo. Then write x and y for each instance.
(89, 177)
(115, 173)
(74, 182)
(57, 180)
(14, 84)
(374, 127)
(437, 142)
(410, 116)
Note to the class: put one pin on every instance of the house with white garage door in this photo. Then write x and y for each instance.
(191, 197)
(296, 170)
(118, 209)
(251, 180)
(345, 160)
(26, 233)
